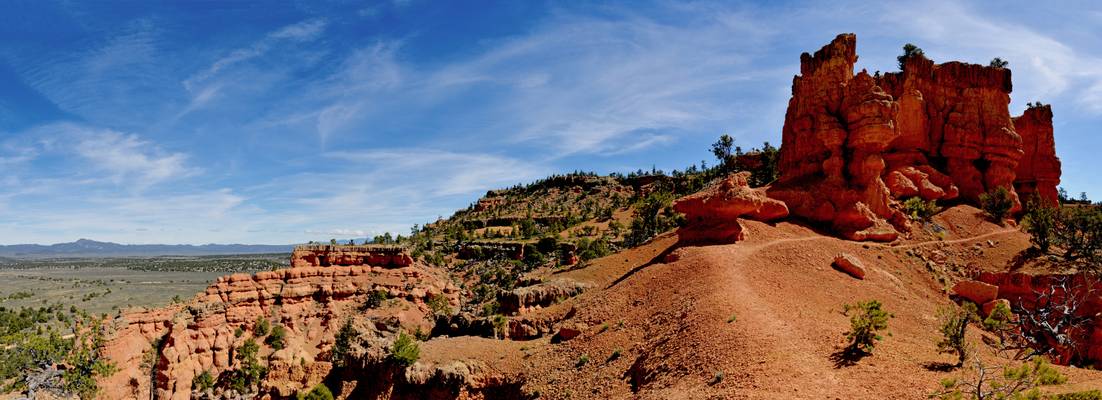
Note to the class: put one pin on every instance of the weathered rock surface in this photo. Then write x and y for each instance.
(324, 255)
(853, 144)
(519, 301)
(309, 302)
(849, 264)
(976, 291)
(712, 214)
(1039, 170)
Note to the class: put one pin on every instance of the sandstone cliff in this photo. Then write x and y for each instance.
(852, 144)
(346, 255)
(1039, 169)
(309, 302)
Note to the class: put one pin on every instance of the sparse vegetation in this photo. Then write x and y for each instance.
(1040, 222)
(614, 356)
(909, 51)
(1079, 231)
(202, 382)
(867, 319)
(277, 338)
(920, 209)
(1020, 382)
(722, 150)
(438, 304)
(500, 323)
(342, 343)
(953, 323)
(998, 63)
(652, 216)
(319, 392)
(405, 351)
(249, 371)
(582, 361)
(376, 299)
(997, 203)
(261, 327)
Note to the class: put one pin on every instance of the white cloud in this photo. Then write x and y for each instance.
(200, 84)
(1044, 67)
(127, 158)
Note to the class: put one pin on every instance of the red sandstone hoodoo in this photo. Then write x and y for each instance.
(853, 144)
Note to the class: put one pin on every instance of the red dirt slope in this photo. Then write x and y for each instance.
(670, 320)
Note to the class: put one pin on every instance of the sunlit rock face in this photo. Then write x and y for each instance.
(854, 143)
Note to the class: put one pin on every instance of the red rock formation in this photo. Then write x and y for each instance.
(310, 302)
(1039, 169)
(852, 144)
(349, 255)
(713, 213)
(1023, 291)
(976, 291)
(849, 264)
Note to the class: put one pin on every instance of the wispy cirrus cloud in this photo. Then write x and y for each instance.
(204, 86)
(1045, 66)
(298, 32)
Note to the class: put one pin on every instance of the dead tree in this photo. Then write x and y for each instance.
(1054, 326)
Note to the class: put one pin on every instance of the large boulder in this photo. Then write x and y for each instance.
(849, 264)
(976, 291)
(712, 214)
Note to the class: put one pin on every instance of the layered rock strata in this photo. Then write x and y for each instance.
(349, 255)
(1039, 170)
(854, 143)
(310, 303)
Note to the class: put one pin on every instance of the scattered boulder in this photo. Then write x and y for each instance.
(569, 331)
(976, 291)
(849, 264)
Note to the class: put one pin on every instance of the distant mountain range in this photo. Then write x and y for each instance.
(92, 248)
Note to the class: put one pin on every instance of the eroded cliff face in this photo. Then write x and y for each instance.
(324, 255)
(1039, 170)
(311, 303)
(852, 144)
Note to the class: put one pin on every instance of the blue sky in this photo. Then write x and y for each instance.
(281, 122)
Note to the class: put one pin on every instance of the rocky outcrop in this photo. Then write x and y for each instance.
(1039, 169)
(976, 291)
(488, 250)
(854, 143)
(519, 301)
(310, 303)
(712, 214)
(1083, 292)
(324, 255)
